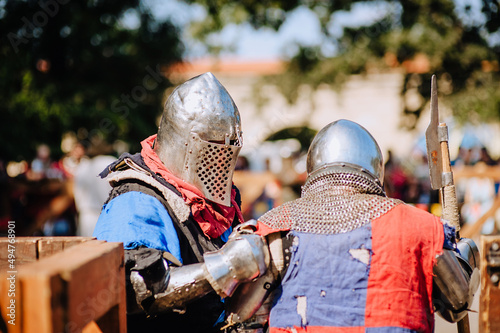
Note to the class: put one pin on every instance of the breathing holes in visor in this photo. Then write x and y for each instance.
(213, 170)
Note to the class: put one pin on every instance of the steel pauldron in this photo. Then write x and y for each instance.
(456, 276)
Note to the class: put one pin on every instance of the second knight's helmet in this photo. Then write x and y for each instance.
(345, 147)
(199, 137)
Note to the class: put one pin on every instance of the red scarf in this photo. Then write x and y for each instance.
(214, 219)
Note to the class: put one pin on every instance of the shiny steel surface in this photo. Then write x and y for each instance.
(186, 284)
(469, 252)
(249, 297)
(434, 154)
(242, 259)
(347, 144)
(200, 131)
(210, 167)
(453, 297)
(470, 260)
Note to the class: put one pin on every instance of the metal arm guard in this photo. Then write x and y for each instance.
(456, 279)
(243, 258)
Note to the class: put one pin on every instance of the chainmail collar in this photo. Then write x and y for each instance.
(343, 183)
(332, 203)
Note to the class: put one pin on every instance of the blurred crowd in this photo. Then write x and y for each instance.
(408, 180)
(54, 197)
(63, 197)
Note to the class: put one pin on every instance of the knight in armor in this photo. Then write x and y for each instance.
(177, 212)
(345, 257)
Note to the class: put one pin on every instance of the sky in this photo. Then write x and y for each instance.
(300, 28)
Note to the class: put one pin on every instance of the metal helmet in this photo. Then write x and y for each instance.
(199, 137)
(345, 145)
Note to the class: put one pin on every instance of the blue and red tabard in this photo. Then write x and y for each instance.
(376, 278)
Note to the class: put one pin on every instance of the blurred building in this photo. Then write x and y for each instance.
(372, 100)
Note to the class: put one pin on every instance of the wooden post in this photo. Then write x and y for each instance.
(489, 306)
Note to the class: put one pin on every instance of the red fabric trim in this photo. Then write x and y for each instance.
(405, 242)
(214, 219)
(264, 230)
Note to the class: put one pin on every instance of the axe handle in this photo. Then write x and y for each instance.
(445, 154)
(463, 325)
(450, 207)
(448, 192)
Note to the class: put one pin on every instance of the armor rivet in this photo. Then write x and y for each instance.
(186, 144)
(495, 246)
(190, 151)
(267, 286)
(495, 278)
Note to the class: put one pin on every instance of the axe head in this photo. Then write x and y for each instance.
(432, 141)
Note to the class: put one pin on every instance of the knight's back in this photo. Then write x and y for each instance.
(358, 260)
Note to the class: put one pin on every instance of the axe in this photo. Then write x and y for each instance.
(438, 156)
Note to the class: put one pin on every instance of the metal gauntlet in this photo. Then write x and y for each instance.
(456, 279)
(243, 258)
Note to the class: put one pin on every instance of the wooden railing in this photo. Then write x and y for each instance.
(489, 306)
(480, 171)
(62, 284)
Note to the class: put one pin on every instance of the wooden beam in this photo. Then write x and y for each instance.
(479, 170)
(48, 246)
(10, 293)
(25, 250)
(489, 306)
(30, 249)
(70, 289)
(471, 230)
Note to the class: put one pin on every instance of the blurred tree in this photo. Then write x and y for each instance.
(88, 66)
(304, 135)
(442, 37)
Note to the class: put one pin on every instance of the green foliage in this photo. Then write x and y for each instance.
(304, 135)
(74, 65)
(450, 38)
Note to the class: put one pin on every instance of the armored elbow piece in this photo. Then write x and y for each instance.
(243, 258)
(456, 279)
(249, 307)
